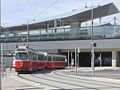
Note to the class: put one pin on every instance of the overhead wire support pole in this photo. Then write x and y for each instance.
(28, 33)
(0, 49)
(68, 61)
(92, 45)
(92, 41)
(72, 62)
(92, 23)
(2, 74)
(78, 49)
(76, 60)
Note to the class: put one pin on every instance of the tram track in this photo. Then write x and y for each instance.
(70, 84)
(82, 83)
(57, 87)
(63, 82)
(116, 85)
(36, 81)
(54, 86)
(66, 82)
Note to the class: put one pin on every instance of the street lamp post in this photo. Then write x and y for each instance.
(92, 45)
(92, 42)
(92, 59)
(77, 51)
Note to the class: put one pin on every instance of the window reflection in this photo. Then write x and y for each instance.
(21, 56)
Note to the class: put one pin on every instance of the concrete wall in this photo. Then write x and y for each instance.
(106, 44)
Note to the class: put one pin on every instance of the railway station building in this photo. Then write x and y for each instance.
(62, 34)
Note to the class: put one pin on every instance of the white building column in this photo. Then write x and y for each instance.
(114, 58)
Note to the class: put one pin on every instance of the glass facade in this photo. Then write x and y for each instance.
(63, 33)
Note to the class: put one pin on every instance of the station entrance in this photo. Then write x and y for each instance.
(101, 59)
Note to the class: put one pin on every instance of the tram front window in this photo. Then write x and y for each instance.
(21, 56)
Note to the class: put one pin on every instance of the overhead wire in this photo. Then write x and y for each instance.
(47, 8)
(56, 2)
(42, 10)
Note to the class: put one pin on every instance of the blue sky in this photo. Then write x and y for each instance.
(17, 12)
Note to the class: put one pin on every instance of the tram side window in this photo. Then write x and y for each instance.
(62, 58)
(49, 58)
(56, 58)
(40, 57)
(59, 59)
(30, 56)
(34, 57)
(45, 58)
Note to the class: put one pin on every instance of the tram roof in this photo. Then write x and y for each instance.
(81, 16)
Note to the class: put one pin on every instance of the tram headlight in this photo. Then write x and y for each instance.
(21, 63)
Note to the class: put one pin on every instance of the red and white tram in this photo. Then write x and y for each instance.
(27, 60)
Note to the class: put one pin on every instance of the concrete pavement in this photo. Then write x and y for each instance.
(10, 81)
(12, 84)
